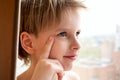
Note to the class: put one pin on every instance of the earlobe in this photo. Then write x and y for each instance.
(26, 42)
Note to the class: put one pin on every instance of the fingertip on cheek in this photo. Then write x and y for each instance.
(53, 37)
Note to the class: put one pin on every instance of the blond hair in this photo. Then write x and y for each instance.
(36, 15)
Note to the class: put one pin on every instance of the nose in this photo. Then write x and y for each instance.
(75, 44)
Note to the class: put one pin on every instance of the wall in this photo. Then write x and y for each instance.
(8, 30)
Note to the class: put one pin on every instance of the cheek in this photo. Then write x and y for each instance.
(59, 49)
(38, 49)
(38, 46)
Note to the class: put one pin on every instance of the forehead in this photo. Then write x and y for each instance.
(69, 23)
(69, 19)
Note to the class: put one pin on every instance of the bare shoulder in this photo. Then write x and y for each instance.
(70, 75)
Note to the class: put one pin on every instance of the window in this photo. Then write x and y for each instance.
(100, 41)
(99, 27)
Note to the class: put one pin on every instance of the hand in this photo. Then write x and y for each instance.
(47, 69)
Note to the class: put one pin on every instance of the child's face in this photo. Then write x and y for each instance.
(66, 44)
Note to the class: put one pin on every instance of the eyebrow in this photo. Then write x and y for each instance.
(64, 29)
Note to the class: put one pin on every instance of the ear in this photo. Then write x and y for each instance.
(26, 42)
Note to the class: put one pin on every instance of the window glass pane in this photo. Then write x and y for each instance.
(99, 27)
(100, 41)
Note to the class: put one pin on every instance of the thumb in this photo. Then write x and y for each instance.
(60, 76)
(47, 48)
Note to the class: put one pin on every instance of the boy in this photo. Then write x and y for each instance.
(49, 33)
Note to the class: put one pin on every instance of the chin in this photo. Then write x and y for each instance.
(69, 67)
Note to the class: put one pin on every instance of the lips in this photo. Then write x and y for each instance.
(71, 57)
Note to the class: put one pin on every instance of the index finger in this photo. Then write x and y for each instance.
(47, 48)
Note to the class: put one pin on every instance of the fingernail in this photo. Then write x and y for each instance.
(51, 38)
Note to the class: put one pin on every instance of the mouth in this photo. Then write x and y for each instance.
(71, 57)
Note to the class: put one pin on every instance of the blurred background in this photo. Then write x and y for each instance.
(100, 41)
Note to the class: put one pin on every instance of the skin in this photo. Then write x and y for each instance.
(53, 50)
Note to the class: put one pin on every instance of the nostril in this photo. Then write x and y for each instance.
(75, 46)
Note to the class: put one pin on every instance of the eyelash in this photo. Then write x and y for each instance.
(77, 33)
(64, 34)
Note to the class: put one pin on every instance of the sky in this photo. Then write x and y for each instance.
(101, 17)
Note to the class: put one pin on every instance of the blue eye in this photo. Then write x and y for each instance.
(77, 33)
(62, 34)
